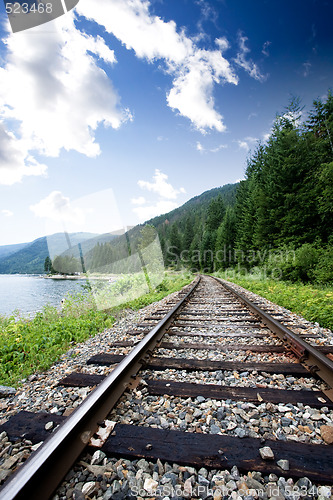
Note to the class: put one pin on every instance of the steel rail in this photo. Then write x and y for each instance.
(40, 475)
(315, 361)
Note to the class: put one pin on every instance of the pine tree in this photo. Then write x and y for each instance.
(48, 265)
(225, 240)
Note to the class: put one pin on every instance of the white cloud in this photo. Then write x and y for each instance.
(219, 148)
(247, 143)
(166, 196)
(265, 48)
(7, 213)
(195, 71)
(243, 145)
(207, 11)
(161, 207)
(54, 92)
(247, 64)
(161, 186)
(306, 69)
(192, 91)
(200, 148)
(138, 201)
(58, 208)
(222, 43)
(15, 161)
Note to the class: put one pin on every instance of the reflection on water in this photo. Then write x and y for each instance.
(29, 294)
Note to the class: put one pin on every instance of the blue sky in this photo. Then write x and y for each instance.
(125, 109)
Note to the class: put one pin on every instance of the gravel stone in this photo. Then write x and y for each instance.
(266, 453)
(121, 478)
(283, 464)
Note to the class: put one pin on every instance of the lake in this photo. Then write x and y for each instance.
(29, 293)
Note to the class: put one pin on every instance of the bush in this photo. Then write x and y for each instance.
(29, 345)
(310, 263)
(323, 272)
(306, 260)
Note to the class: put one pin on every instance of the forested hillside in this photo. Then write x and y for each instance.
(278, 220)
(286, 201)
(6, 250)
(30, 257)
(283, 216)
(171, 227)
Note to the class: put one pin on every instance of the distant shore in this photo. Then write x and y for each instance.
(81, 277)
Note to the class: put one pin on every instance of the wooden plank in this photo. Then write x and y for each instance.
(236, 347)
(28, 425)
(211, 347)
(204, 317)
(226, 326)
(233, 334)
(249, 394)
(183, 323)
(220, 452)
(216, 334)
(205, 312)
(223, 348)
(218, 347)
(77, 379)
(245, 317)
(213, 391)
(156, 363)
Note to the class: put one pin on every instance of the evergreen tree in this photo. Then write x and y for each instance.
(188, 232)
(48, 265)
(66, 264)
(215, 214)
(225, 240)
(174, 248)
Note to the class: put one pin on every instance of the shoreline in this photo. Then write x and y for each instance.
(109, 278)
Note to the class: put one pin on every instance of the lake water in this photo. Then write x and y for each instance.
(29, 293)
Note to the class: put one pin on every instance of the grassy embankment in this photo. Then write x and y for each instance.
(30, 345)
(314, 303)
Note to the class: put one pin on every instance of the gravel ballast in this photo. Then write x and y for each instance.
(98, 477)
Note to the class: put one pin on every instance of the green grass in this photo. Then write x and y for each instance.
(28, 345)
(314, 303)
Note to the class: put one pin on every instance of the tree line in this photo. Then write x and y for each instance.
(283, 214)
(280, 218)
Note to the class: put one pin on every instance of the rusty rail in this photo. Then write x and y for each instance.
(315, 361)
(44, 470)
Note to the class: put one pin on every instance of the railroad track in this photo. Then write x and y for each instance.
(251, 388)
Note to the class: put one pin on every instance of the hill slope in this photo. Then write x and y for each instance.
(104, 258)
(30, 259)
(6, 250)
(198, 203)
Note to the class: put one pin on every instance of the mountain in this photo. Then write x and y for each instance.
(29, 258)
(198, 203)
(6, 250)
(183, 227)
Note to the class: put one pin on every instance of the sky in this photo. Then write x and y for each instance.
(125, 109)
